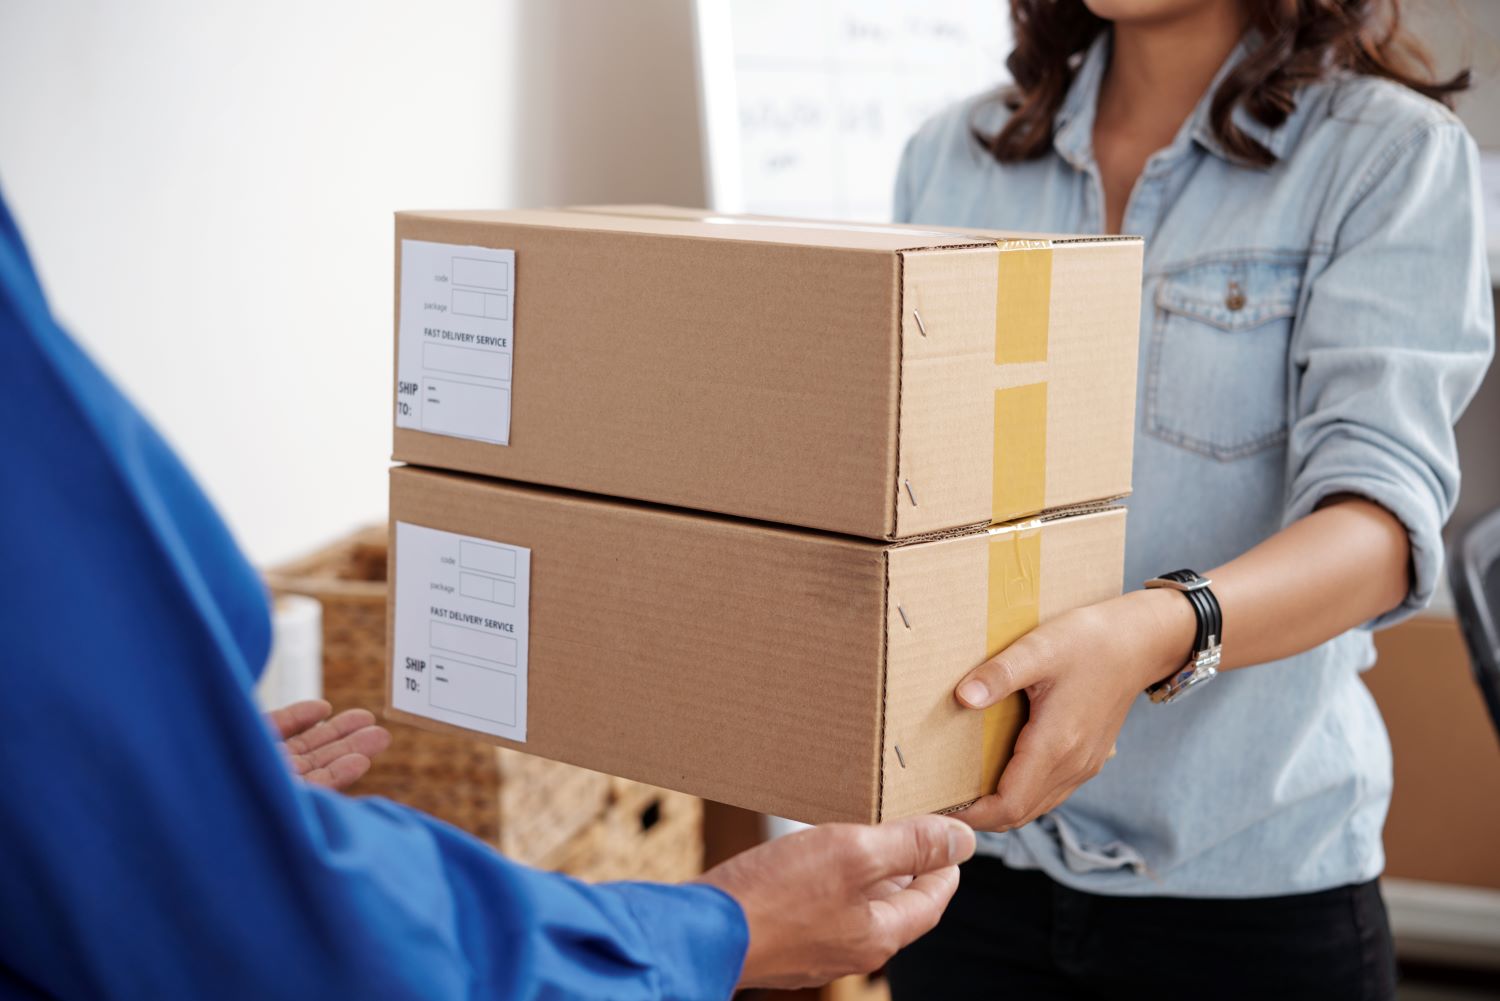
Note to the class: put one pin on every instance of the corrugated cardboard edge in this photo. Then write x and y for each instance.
(1070, 511)
(885, 677)
(893, 514)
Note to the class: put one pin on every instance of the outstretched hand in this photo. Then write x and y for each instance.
(841, 898)
(328, 752)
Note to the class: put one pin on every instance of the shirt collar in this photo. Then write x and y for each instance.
(1073, 135)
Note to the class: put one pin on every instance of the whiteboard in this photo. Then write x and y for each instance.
(807, 104)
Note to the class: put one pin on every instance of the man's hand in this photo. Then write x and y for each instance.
(841, 898)
(328, 752)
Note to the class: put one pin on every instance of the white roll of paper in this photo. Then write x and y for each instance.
(294, 671)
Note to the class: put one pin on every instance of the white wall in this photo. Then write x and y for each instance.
(208, 188)
(1459, 34)
(608, 103)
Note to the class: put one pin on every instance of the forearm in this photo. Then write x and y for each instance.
(1341, 566)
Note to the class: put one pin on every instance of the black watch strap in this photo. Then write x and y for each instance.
(1203, 663)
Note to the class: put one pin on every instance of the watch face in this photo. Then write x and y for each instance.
(1182, 682)
(1200, 676)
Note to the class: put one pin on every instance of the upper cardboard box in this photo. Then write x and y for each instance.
(880, 381)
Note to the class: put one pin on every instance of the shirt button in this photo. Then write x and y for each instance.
(1235, 298)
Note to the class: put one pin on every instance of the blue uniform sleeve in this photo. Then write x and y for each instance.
(152, 841)
(1395, 336)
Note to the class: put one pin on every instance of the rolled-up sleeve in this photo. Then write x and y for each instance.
(1394, 336)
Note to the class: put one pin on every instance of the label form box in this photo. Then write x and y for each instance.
(480, 692)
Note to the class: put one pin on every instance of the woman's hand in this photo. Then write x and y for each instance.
(1081, 671)
(328, 752)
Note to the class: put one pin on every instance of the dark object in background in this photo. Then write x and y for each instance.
(1474, 572)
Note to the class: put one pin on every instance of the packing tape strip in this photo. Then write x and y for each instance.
(1023, 301)
(1023, 315)
(1015, 574)
(1020, 460)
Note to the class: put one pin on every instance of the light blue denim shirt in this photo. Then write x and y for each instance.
(1309, 329)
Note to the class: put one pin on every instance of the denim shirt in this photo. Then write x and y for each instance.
(1308, 329)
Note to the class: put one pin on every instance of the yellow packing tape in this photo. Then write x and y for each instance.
(1023, 312)
(1020, 461)
(1023, 301)
(1015, 574)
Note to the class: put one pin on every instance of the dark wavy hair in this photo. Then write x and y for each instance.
(1301, 41)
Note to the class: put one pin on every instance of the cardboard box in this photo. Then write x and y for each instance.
(786, 671)
(879, 381)
(1445, 808)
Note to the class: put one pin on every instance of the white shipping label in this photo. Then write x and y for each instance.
(456, 340)
(462, 618)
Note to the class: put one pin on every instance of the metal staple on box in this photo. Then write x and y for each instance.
(909, 493)
(921, 327)
(904, 620)
(899, 756)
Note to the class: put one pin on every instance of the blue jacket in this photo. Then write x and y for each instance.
(152, 842)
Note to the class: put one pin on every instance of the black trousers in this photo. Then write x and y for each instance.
(1018, 935)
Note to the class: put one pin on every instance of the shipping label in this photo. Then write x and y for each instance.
(456, 340)
(462, 623)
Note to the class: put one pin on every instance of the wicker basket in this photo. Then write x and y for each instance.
(533, 810)
(646, 833)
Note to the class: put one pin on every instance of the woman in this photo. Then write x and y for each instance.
(1316, 316)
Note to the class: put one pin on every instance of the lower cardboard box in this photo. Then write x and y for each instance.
(786, 671)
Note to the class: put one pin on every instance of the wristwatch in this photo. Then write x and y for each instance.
(1203, 663)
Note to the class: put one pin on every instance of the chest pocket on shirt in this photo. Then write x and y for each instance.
(1217, 381)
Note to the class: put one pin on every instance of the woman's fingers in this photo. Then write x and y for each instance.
(298, 716)
(1046, 766)
(1014, 669)
(1075, 711)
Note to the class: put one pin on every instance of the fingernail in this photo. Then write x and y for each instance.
(974, 692)
(960, 843)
